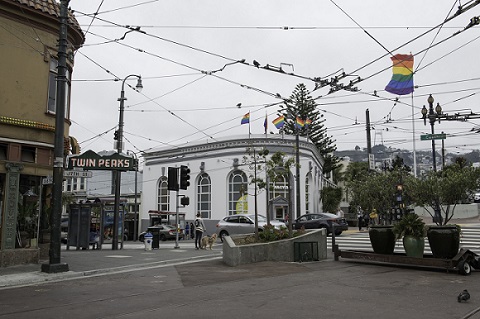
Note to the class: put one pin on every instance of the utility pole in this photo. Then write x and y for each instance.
(369, 139)
(54, 265)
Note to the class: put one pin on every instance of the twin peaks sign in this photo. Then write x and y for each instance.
(92, 161)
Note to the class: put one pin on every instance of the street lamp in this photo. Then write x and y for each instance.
(135, 219)
(118, 173)
(433, 115)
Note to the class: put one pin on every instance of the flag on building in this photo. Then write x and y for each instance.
(246, 118)
(265, 123)
(402, 78)
(299, 123)
(279, 122)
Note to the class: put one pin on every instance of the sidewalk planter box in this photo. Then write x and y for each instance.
(280, 250)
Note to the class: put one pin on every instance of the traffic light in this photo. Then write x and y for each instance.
(184, 177)
(172, 183)
(185, 201)
(115, 135)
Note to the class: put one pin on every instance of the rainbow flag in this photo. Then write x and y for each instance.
(402, 79)
(246, 118)
(299, 123)
(279, 122)
(308, 122)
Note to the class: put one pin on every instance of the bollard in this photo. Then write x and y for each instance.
(148, 240)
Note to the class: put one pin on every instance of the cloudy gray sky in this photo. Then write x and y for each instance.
(186, 53)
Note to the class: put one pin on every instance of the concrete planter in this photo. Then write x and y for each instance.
(281, 250)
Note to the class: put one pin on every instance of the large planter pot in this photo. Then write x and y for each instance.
(414, 246)
(444, 241)
(382, 239)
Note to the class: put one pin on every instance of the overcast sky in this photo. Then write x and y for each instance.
(186, 53)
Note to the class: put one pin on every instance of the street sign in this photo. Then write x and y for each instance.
(429, 137)
(47, 180)
(87, 174)
(92, 161)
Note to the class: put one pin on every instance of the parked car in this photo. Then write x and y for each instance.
(165, 232)
(321, 220)
(476, 197)
(243, 224)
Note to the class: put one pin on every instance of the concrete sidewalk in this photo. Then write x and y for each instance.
(84, 263)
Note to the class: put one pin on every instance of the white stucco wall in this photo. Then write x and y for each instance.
(218, 158)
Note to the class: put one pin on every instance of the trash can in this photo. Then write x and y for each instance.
(148, 239)
(155, 231)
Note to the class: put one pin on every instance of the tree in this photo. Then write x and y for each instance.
(279, 166)
(451, 186)
(331, 198)
(374, 190)
(256, 163)
(302, 105)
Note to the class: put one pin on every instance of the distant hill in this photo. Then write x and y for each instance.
(383, 153)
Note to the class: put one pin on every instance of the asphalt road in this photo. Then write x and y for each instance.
(210, 289)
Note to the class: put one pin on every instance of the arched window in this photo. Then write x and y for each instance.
(204, 196)
(237, 193)
(308, 179)
(279, 187)
(163, 196)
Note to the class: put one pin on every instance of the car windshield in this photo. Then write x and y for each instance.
(329, 215)
(261, 218)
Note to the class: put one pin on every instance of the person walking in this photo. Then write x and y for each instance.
(360, 218)
(187, 229)
(199, 229)
(192, 231)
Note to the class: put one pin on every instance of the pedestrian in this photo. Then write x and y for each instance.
(339, 213)
(192, 231)
(366, 220)
(373, 217)
(187, 228)
(360, 218)
(199, 229)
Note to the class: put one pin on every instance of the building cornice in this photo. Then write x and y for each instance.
(229, 146)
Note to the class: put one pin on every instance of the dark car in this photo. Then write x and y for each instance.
(321, 220)
(165, 232)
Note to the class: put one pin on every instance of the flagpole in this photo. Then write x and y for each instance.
(413, 141)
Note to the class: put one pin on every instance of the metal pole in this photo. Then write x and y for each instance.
(432, 117)
(176, 220)
(413, 141)
(118, 173)
(135, 219)
(297, 173)
(54, 265)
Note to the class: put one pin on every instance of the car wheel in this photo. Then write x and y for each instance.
(162, 237)
(338, 232)
(223, 233)
(464, 268)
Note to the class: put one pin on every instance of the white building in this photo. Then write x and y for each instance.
(220, 176)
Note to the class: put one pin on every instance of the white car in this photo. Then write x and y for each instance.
(243, 224)
(476, 197)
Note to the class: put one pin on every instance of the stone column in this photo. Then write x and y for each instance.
(12, 186)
